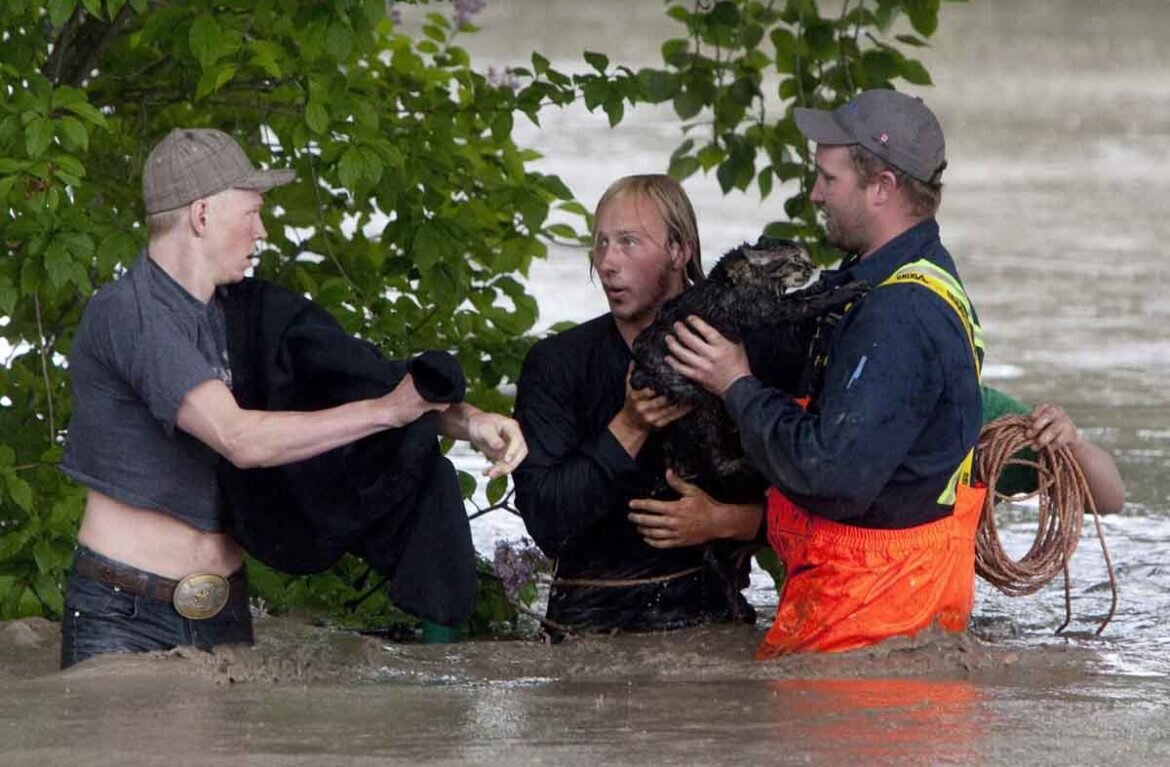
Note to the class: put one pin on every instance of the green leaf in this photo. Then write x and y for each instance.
(19, 491)
(8, 296)
(916, 42)
(6, 184)
(676, 52)
(60, 11)
(923, 15)
(539, 63)
(764, 179)
(687, 104)
(710, 156)
(86, 112)
(467, 484)
(213, 79)
(339, 41)
(204, 39)
(614, 109)
(115, 7)
(496, 488)
(94, 7)
(683, 167)
(58, 264)
(658, 85)
(38, 136)
(349, 169)
(74, 133)
(316, 117)
(598, 61)
(266, 55)
(913, 71)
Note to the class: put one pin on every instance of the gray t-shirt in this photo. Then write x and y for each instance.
(142, 344)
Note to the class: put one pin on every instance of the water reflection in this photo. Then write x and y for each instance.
(882, 721)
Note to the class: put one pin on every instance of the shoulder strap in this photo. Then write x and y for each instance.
(946, 287)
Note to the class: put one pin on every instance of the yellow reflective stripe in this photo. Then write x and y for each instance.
(961, 475)
(946, 287)
(915, 274)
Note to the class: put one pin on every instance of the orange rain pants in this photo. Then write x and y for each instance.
(849, 587)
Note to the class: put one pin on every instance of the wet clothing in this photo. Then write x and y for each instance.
(851, 587)
(100, 618)
(574, 487)
(391, 498)
(1014, 479)
(142, 344)
(871, 510)
(897, 410)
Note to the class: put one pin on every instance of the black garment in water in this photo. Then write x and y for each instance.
(391, 498)
(574, 487)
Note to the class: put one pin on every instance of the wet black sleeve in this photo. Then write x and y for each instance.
(576, 472)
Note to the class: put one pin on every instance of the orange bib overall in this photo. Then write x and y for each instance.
(848, 587)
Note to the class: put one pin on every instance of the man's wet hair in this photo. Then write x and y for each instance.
(924, 198)
(672, 204)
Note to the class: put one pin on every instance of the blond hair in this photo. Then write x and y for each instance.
(675, 208)
(161, 224)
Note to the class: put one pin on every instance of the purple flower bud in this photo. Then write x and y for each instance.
(465, 9)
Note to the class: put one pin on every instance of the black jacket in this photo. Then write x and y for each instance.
(391, 498)
(574, 487)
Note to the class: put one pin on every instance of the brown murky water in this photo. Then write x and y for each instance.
(1060, 165)
(311, 696)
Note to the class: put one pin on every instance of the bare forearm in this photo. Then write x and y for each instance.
(276, 438)
(250, 438)
(1102, 476)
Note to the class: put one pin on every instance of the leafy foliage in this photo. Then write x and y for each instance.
(719, 79)
(414, 214)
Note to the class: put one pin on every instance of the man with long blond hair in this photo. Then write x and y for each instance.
(594, 443)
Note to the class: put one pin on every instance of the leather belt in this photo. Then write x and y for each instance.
(156, 587)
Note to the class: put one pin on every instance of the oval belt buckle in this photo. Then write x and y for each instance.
(201, 595)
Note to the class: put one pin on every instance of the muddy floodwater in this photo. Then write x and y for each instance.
(1055, 209)
(311, 696)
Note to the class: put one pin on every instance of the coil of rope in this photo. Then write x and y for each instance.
(1064, 498)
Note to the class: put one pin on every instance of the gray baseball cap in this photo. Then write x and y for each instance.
(898, 128)
(192, 163)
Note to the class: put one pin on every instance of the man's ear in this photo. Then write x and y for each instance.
(197, 217)
(679, 256)
(883, 188)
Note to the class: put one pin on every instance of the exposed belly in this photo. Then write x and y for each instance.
(155, 542)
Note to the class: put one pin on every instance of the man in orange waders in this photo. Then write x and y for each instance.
(872, 509)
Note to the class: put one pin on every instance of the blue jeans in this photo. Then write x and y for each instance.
(100, 619)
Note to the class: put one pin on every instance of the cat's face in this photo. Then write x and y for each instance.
(783, 265)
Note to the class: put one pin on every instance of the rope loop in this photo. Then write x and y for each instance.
(1064, 496)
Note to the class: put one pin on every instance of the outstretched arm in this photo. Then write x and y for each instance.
(251, 438)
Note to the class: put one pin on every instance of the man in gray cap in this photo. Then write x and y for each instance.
(153, 411)
(872, 508)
